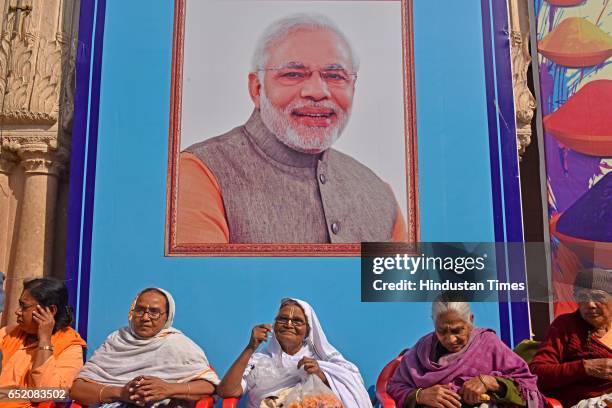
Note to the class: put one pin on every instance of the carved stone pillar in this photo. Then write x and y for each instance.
(34, 244)
(37, 51)
(6, 214)
(524, 101)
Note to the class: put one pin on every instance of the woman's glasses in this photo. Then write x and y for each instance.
(153, 313)
(286, 321)
(597, 296)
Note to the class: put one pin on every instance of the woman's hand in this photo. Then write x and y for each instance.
(127, 393)
(439, 396)
(311, 366)
(150, 389)
(599, 367)
(230, 385)
(472, 390)
(259, 334)
(46, 321)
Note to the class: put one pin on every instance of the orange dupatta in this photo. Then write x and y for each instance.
(60, 340)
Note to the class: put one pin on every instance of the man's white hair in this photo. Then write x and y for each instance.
(280, 28)
(463, 309)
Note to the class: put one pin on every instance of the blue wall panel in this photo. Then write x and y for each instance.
(220, 299)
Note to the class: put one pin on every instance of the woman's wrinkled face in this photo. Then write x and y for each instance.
(595, 307)
(452, 331)
(27, 304)
(290, 325)
(149, 314)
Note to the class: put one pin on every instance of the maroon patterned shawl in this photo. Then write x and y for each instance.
(485, 354)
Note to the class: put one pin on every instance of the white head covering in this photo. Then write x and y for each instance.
(170, 313)
(315, 340)
(169, 355)
(343, 376)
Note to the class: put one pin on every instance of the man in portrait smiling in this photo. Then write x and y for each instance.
(276, 178)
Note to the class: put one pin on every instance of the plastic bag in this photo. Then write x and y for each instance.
(267, 374)
(312, 393)
(276, 401)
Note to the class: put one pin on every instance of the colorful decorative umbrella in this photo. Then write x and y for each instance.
(565, 3)
(586, 227)
(584, 122)
(576, 43)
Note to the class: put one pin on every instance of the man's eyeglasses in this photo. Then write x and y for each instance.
(286, 321)
(153, 313)
(295, 75)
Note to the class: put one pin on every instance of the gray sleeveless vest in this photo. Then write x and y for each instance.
(274, 194)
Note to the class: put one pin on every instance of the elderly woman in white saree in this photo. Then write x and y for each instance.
(148, 363)
(298, 347)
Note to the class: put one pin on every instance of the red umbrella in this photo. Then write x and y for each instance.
(584, 122)
(565, 3)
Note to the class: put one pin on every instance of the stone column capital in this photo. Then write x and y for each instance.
(20, 141)
(52, 164)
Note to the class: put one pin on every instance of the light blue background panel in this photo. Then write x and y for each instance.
(220, 299)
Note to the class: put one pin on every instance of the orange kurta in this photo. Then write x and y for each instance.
(200, 211)
(59, 371)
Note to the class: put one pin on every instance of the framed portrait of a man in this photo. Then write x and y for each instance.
(292, 128)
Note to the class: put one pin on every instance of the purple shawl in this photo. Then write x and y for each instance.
(484, 354)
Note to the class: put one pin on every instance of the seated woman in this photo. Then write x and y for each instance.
(146, 362)
(574, 361)
(298, 342)
(459, 365)
(41, 350)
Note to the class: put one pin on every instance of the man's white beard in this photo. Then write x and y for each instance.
(305, 139)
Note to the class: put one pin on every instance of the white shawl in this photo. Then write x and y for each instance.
(342, 375)
(169, 355)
